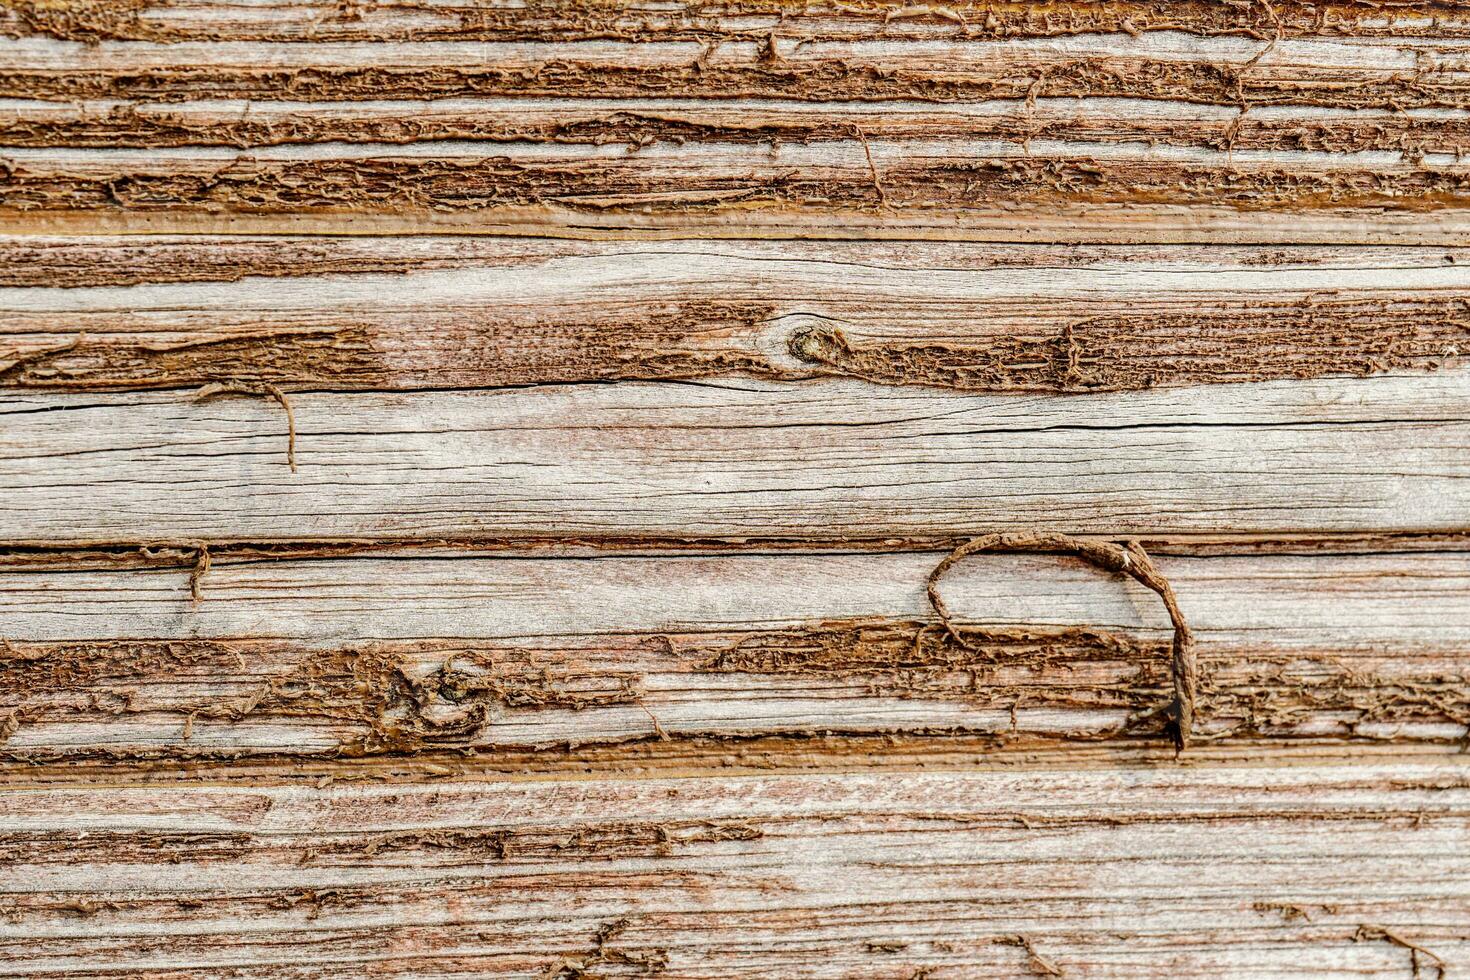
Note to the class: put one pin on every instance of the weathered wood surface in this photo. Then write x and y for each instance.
(1215, 872)
(396, 313)
(755, 458)
(175, 21)
(293, 657)
(1080, 121)
(392, 583)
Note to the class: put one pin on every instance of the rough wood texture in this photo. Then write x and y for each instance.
(487, 652)
(740, 458)
(413, 566)
(394, 313)
(1216, 872)
(174, 21)
(1062, 122)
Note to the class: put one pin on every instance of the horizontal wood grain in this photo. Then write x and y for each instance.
(174, 21)
(479, 653)
(672, 191)
(1089, 123)
(470, 474)
(1397, 70)
(778, 126)
(390, 313)
(1236, 871)
(822, 459)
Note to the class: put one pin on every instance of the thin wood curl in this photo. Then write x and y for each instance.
(257, 389)
(1129, 559)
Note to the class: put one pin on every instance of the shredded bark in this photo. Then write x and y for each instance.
(389, 186)
(161, 126)
(841, 76)
(1268, 341)
(1229, 342)
(654, 341)
(332, 356)
(408, 700)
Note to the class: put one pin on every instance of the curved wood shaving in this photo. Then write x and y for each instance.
(1130, 560)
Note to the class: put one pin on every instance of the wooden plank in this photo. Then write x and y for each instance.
(387, 313)
(175, 21)
(1100, 123)
(751, 458)
(404, 572)
(742, 194)
(294, 657)
(1045, 125)
(894, 64)
(1213, 872)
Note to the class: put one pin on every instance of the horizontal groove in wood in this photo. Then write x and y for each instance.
(682, 757)
(1099, 135)
(779, 128)
(319, 21)
(1218, 872)
(158, 553)
(294, 659)
(821, 459)
(1013, 198)
(385, 313)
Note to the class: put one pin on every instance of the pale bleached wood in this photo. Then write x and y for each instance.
(299, 656)
(1209, 872)
(742, 458)
(394, 313)
(89, 261)
(1349, 599)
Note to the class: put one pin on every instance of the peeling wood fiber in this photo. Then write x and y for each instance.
(387, 313)
(285, 659)
(562, 589)
(326, 20)
(1009, 121)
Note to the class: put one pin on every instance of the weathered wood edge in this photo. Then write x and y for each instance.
(289, 657)
(516, 461)
(1311, 870)
(382, 314)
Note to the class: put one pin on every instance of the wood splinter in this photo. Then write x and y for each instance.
(1370, 933)
(1130, 560)
(196, 574)
(1034, 958)
(257, 389)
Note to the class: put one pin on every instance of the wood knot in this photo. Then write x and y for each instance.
(822, 345)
